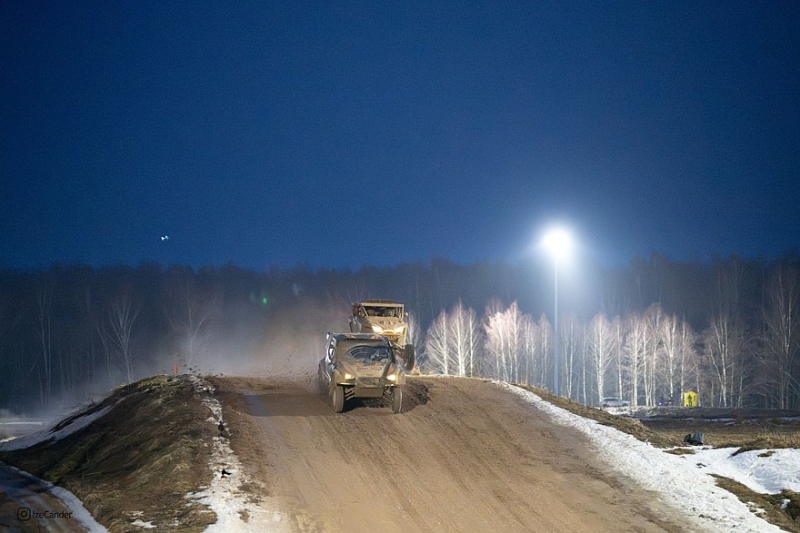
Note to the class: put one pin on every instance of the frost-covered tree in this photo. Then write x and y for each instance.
(437, 357)
(464, 338)
(505, 345)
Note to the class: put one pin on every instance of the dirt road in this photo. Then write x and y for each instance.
(465, 455)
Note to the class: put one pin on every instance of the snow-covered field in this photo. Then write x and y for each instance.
(684, 481)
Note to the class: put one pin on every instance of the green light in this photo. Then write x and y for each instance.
(264, 300)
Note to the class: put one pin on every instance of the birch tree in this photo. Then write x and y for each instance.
(571, 360)
(618, 329)
(503, 330)
(464, 338)
(634, 347)
(543, 350)
(672, 350)
(652, 352)
(438, 359)
(600, 344)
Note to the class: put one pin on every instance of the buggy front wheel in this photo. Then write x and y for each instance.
(397, 399)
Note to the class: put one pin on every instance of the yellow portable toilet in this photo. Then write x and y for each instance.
(690, 399)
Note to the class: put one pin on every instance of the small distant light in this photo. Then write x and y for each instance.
(165, 237)
(264, 300)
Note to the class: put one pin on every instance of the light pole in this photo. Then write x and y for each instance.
(558, 243)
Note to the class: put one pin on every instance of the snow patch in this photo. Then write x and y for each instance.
(236, 510)
(765, 473)
(69, 500)
(76, 424)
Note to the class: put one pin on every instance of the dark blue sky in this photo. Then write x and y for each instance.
(371, 133)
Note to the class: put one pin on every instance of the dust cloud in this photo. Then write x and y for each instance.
(284, 344)
(287, 349)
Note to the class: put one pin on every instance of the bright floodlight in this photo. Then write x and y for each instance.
(558, 243)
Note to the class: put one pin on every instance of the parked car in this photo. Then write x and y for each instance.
(614, 402)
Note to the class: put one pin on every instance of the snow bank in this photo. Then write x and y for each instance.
(683, 484)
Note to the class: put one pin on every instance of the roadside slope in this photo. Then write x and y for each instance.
(132, 458)
(464, 456)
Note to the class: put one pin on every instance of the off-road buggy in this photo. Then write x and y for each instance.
(384, 317)
(363, 365)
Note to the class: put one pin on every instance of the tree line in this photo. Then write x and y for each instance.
(646, 332)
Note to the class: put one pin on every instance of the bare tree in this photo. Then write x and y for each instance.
(504, 344)
(782, 335)
(634, 346)
(122, 315)
(724, 339)
(723, 350)
(452, 342)
(670, 343)
(437, 356)
(534, 355)
(464, 338)
(543, 363)
(44, 332)
(652, 352)
(600, 344)
(571, 361)
(618, 353)
(189, 311)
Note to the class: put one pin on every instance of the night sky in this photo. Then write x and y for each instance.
(342, 134)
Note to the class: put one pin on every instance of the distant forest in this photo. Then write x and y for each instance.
(647, 333)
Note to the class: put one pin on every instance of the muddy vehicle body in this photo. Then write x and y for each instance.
(384, 317)
(362, 365)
